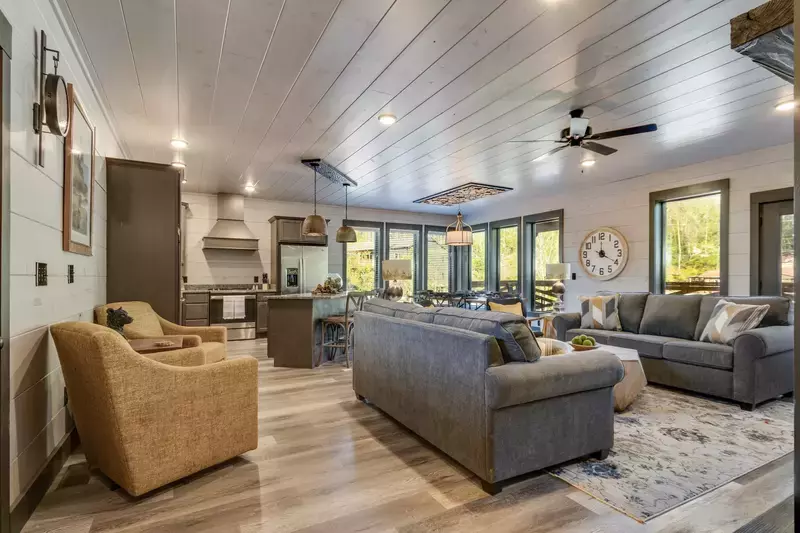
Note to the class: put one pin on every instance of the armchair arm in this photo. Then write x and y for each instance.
(564, 322)
(207, 334)
(761, 342)
(549, 377)
(185, 357)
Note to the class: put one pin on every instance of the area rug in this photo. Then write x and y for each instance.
(670, 448)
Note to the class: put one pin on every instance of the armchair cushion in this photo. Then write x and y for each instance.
(214, 352)
(145, 321)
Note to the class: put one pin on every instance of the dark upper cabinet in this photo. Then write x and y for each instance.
(289, 230)
(143, 235)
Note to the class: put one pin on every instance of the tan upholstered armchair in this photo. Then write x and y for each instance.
(147, 324)
(144, 423)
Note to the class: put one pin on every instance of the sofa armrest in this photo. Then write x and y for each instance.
(564, 322)
(549, 377)
(761, 342)
(185, 357)
(207, 334)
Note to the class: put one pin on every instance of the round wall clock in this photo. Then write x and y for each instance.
(603, 253)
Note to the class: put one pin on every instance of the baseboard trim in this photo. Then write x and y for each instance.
(28, 502)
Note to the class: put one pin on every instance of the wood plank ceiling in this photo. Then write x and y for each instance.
(256, 85)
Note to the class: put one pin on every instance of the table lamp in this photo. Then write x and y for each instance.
(396, 270)
(560, 272)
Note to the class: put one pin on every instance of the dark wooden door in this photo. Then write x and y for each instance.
(143, 239)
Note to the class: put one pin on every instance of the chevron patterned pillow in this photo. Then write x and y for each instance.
(728, 320)
(600, 312)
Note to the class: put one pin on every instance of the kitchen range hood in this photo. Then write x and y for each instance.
(230, 232)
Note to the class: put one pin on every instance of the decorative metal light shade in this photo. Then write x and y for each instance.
(458, 233)
(346, 233)
(314, 225)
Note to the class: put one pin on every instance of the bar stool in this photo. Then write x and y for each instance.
(337, 329)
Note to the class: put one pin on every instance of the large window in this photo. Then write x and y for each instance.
(772, 242)
(403, 242)
(478, 260)
(363, 258)
(689, 239)
(437, 260)
(506, 256)
(543, 246)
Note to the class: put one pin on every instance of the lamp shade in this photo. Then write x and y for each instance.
(558, 271)
(396, 269)
(314, 226)
(346, 234)
(458, 233)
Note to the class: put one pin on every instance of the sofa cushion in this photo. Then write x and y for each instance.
(631, 309)
(515, 338)
(514, 309)
(386, 307)
(600, 312)
(778, 314)
(729, 320)
(214, 351)
(671, 315)
(599, 335)
(418, 314)
(700, 353)
(145, 320)
(646, 345)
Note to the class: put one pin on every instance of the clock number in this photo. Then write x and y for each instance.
(592, 268)
(594, 238)
(601, 272)
(585, 254)
(588, 263)
(616, 261)
(588, 246)
(619, 253)
(609, 269)
(616, 244)
(602, 235)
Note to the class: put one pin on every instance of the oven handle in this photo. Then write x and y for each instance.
(246, 297)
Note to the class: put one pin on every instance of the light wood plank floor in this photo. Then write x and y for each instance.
(328, 463)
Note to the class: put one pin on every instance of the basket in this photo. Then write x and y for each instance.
(582, 348)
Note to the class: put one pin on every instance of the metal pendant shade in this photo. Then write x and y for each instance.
(346, 233)
(314, 225)
(458, 233)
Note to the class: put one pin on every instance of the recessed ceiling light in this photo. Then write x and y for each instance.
(179, 144)
(250, 187)
(387, 119)
(178, 164)
(786, 106)
(588, 163)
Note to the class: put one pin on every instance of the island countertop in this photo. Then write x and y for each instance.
(306, 296)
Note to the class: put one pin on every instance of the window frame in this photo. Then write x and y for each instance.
(418, 283)
(658, 201)
(493, 265)
(476, 228)
(757, 201)
(380, 226)
(451, 257)
(529, 261)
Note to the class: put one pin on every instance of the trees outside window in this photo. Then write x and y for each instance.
(508, 259)
(363, 259)
(478, 261)
(438, 261)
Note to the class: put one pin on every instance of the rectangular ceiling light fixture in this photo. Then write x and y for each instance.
(329, 171)
(463, 194)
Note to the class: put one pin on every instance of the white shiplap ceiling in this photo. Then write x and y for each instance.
(256, 85)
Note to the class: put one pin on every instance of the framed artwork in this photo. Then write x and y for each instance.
(78, 179)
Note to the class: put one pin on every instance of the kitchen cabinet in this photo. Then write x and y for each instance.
(262, 315)
(195, 309)
(289, 230)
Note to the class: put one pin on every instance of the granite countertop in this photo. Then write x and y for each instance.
(307, 296)
(228, 291)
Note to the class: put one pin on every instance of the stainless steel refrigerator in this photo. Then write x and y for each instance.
(302, 268)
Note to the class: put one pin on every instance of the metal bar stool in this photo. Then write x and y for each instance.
(337, 329)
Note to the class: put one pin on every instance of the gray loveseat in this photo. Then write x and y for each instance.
(665, 329)
(453, 387)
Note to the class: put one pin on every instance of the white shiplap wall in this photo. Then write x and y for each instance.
(223, 266)
(39, 419)
(624, 205)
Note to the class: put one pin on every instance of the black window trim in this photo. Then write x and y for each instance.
(451, 257)
(757, 199)
(484, 227)
(528, 223)
(493, 264)
(658, 199)
(365, 224)
(419, 268)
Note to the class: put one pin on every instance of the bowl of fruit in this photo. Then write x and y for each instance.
(581, 343)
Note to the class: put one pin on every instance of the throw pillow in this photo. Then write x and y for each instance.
(514, 309)
(728, 320)
(600, 312)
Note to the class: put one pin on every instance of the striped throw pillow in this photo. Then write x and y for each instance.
(729, 320)
(600, 312)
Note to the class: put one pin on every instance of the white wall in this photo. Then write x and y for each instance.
(223, 266)
(39, 420)
(625, 205)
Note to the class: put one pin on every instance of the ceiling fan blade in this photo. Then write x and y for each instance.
(601, 149)
(551, 152)
(623, 132)
(541, 141)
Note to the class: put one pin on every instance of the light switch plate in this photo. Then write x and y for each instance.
(41, 274)
(70, 273)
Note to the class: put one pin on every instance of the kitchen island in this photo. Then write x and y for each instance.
(294, 331)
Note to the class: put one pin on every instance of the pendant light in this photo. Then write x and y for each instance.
(458, 233)
(346, 233)
(314, 225)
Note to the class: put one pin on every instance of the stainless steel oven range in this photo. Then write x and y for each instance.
(241, 323)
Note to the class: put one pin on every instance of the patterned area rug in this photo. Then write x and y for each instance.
(670, 448)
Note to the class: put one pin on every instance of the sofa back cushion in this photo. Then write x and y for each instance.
(631, 310)
(386, 307)
(515, 338)
(671, 315)
(145, 320)
(777, 315)
(418, 314)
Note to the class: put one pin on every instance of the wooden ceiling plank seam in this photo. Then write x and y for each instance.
(133, 56)
(272, 183)
(362, 179)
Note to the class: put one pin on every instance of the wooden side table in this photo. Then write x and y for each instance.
(150, 345)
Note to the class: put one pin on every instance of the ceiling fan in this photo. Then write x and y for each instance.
(580, 134)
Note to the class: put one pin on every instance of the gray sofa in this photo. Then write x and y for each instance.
(454, 387)
(665, 330)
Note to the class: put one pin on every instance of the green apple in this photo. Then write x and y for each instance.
(588, 342)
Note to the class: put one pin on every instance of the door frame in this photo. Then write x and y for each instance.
(529, 249)
(757, 199)
(5, 199)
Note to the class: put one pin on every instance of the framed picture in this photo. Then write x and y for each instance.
(78, 179)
